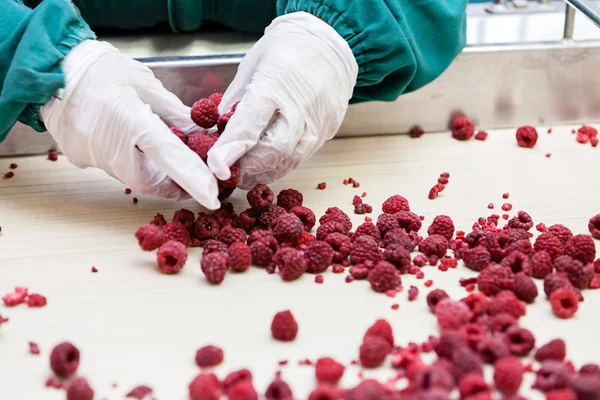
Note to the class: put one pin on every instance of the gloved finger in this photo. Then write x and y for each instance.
(252, 116)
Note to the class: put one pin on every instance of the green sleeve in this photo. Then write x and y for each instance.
(399, 45)
(32, 44)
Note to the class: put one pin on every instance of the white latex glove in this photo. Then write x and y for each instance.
(110, 105)
(293, 86)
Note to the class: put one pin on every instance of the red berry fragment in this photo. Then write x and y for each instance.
(150, 237)
(553, 350)
(527, 136)
(15, 298)
(242, 391)
(205, 113)
(9, 175)
(205, 387)
(139, 392)
(565, 302)
(209, 356)
(64, 359)
(52, 155)
(462, 129)
(284, 327)
(416, 132)
(481, 135)
(171, 257)
(34, 348)
(508, 375)
(36, 300)
(13, 166)
(322, 186)
(80, 389)
(179, 133)
(327, 370)
(214, 266)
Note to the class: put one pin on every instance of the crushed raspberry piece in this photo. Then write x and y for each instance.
(80, 389)
(361, 209)
(395, 204)
(240, 256)
(205, 113)
(434, 245)
(337, 269)
(506, 207)
(549, 243)
(492, 349)
(476, 258)
(434, 297)
(327, 370)
(395, 306)
(278, 390)
(490, 206)
(462, 129)
(150, 237)
(524, 288)
(127, 191)
(9, 175)
(341, 245)
(520, 341)
(413, 292)
(64, 359)
(34, 348)
(319, 279)
(223, 121)
(322, 186)
(263, 250)
(416, 132)
(334, 214)
(494, 279)
(383, 277)
(290, 262)
(289, 198)
(518, 262)
(284, 327)
(373, 351)
(433, 193)
(159, 220)
(176, 231)
(52, 155)
(260, 197)
(553, 350)
(527, 136)
(214, 266)
(171, 257)
(179, 133)
(209, 356)
(452, 314)
(236, 377)
(139, 392)
(551, 375)
(319, 256)
(54, 383)
(564, 302)
(508, 375)
(442, 225)
(506, 302)
(428, 283)
(582, 248)
(481, 135)
(16, 298)
(270, 214)
(205, 387)
(36, 300)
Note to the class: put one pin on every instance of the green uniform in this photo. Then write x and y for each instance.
(400, 45)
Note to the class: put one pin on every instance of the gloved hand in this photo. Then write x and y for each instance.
(111, 107)
(293, 86)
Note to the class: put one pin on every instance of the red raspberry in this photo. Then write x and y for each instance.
(594, 226)
(434, 297)
(477, 302)
(506, 302)
(474, 334)
(369, 389)
(553, 350)
(209, 356)
(340, 244)
(246, 220)
(474, 238)
(359, 272)
(319, 256)
(413, 292)
(387, 223)
(367, 228)
(589, 369)
(409, 221)
(324, 392)
(579, 276)
(291, 263)
(521, 221)
(586, 387)
(327, 370)
(493, 348)
(287, 228)
(473, 386)
(306, 215)
(398, 256)
(527, 136)
(516, 234)
(305, 240)
(441, 225)
(434, 245)
(518, 262)
(563, 233)
(541, 264)
(176, 231)
(448, 343)
(383, 277)
(216, 98)
(267, 217)
(464, 361)
(437, 375)
(80, 389)
(223, 121)
(508, 375)
(549, 243)
(383, 329)
(205, 387)
(284, 327)
(242, 391)
(476, 258)
(494, 279)
(564, 302)
(400, 237)
(555, 281)
(226, 187)
(524, 288)
(214, 266)
(258, 234)
(200, 143)
(416, 131)
(501, 322)
(373, 351)
(171, 257)
(394, 204)
(279, 390)
(551, 375)
(64, 360)
(523, 246)
(235, 377)
(52, 155)
(582, 248)
(205, 113)
(365, 248)
(184, 217)
(158, 220)
(139, 392)
(334, 214)
(289, 198)
(179, 133)
(230, 235)
(462, 129)
(452, 314)
(328, 228)
(561, 394)
(260, 197)
(520, 341)
(240, 256)
(213, 246)
(263, 250)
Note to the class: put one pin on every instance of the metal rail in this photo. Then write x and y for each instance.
(587, 8)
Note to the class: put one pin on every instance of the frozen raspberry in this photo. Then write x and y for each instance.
(520, 341)
(373, 351)
(594, 226)
(139, 392)
(205, 113)
(216, 98)
(474, 334)
(341, 245)
(434, 245)
(400, 237)
(551, 375)
(272, 212)
(291, 263)
(564, 302)
(541, 264)
(213, 246)
(324, 392)
(590, 369)
(398, 256)
(416, 132)
(476, 258)
(230, 235)
(305, 240)
(555, 281)
(16, 298)
(501, 322)
(563, 233)
(235, 377)
(260, 197)
(383, 329)
(287, 228)
(464, 361)
(359, 272)
(334, 214)
(367, 228)
(80, 389)
(263, 250)
(289, 198)
(240, 256)
(582, 248)
(524, 287)
(492, 349)
(36, 300)
(176, 231)
(586, 387)
(214, 266)
(319, 256)
(437, 375)
(522, 246)
(209, 356)
(284, 327)
(434, 297)
(441, 225)
(52, 155)
(246, 220)
(408, 221)
(149, 237)
(562, 262)
(327, 370)
(159, 220)
(278, 390)
(516, 234)
(420, 260)
(64, 359)
(383, 277)
(506, 302)
(518, 262)
(549, 243)
(521, 221)
(205, 387)
(526, 136)
(242, 391)
(223, 121)
(328, 228)
(306, 215)
(231, 183)
(462, 129)
(171, 257)
(225, 192)
(508, 375)
(184, 217)
(448, 343)
(179, 133)
(394, 204)
(200, 143)
(472, 385)
(579, 276)
(258, 234)
(494, 279)
(474, 238)
(553, 350)
(365, 248)
(452, 314)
